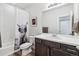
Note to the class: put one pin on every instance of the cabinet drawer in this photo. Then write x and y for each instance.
(51, 44)
(65, 46)
(37, 40)
(70, 49)
(59, 52)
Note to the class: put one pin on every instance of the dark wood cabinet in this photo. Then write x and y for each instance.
(57, 52)
(60, 52)
(40, 49)
(45, 50)
(49, 48)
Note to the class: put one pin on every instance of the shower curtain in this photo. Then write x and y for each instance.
(22, 18)
(22, 37)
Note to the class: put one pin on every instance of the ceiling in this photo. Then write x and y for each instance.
(25, 5)
(29, 5)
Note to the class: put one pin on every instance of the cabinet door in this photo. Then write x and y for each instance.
(38, 49)
(45, 50)
(41, 50)
(70, 49)
(56, 52)
(59, 52)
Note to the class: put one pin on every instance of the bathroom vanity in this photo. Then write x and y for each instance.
(48, 45)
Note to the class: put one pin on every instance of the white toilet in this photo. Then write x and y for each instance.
(27, 47)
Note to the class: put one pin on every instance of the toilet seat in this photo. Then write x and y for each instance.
(25, 45)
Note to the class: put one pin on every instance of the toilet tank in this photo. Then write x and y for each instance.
(32, 39)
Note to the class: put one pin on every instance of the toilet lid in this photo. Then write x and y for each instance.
(25, 45)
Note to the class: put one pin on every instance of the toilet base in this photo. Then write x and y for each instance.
(25, 52)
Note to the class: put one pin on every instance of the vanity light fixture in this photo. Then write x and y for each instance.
(52, 5)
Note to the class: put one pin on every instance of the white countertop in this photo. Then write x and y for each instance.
(66, 39)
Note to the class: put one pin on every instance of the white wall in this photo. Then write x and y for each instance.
(50, 18)
(35, 11)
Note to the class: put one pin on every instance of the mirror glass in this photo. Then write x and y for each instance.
(65, 25)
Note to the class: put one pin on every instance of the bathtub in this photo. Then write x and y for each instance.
(6, 51)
